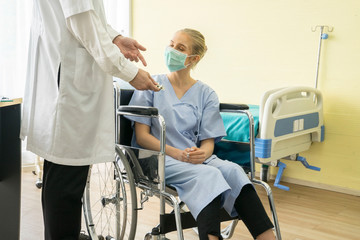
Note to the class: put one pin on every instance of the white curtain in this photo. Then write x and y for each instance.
(15, 20)
(118, 13)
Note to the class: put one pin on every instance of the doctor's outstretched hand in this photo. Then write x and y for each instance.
(130, 48)
(143, 81)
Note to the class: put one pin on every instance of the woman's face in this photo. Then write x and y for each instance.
(182, 43)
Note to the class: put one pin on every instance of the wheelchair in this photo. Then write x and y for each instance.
(110, 201)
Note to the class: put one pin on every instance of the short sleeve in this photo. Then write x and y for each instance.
(73, 7)
(141, 98)
(211, 125)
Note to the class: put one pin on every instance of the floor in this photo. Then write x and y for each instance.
(304, 214)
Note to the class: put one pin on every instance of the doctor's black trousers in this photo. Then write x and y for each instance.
(62, 191)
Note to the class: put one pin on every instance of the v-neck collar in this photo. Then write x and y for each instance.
(173, 90)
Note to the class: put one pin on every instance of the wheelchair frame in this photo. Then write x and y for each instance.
(125, 179)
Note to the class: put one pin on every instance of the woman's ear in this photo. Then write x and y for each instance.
(196, 59)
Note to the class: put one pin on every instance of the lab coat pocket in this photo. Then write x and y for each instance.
(88, 75)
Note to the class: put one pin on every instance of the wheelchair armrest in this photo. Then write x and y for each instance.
(232, 107)
(138, 110)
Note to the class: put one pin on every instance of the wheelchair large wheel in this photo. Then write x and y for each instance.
(110, 200)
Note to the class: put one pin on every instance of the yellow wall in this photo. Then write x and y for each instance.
(258, 45)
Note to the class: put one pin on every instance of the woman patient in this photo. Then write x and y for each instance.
(193, 125)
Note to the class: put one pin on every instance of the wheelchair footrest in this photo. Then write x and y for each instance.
(168, 223)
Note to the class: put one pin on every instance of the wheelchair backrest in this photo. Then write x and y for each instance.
(125, 129)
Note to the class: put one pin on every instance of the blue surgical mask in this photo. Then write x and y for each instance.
(174, 59)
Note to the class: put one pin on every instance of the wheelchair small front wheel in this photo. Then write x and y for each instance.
(110, 200)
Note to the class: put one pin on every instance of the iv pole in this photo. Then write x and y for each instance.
(322, 36)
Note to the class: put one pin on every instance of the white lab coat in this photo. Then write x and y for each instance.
(73, 123)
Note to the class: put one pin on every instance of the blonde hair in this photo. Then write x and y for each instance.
(198, 42)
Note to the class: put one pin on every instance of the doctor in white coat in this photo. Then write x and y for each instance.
(68, 113)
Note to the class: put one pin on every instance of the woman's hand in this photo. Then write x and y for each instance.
(193, 155)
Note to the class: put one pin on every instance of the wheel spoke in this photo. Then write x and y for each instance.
(110, 201)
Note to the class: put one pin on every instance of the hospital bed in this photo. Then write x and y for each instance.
(287, 121)
(115, 192)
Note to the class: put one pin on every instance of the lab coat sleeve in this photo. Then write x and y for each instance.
(112, 32)
(73, 7)
(90, 32)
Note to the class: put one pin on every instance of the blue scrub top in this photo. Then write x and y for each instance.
(189, 120)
